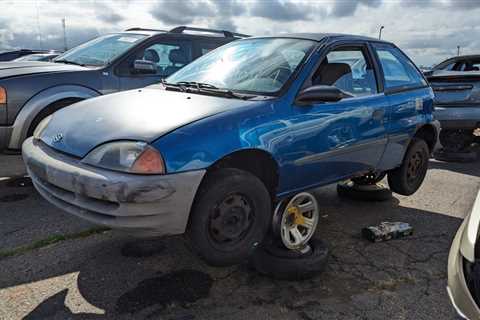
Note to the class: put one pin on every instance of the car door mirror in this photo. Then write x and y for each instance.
(321, 93)
(144, 67)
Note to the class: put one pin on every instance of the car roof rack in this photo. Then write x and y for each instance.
(145, 29)
(227, 34)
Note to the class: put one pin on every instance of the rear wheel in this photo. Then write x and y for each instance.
(407, 178)
(230, 217)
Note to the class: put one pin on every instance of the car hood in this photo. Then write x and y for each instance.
(139, 115)
(20, 68)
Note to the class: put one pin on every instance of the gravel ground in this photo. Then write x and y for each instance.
(98, 275)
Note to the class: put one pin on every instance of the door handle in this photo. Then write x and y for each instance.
(378, 114)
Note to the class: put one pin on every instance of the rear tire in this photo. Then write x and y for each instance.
(230, 217)
(408, 178)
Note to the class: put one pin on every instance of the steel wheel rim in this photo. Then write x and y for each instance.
(298, 225)
(415, 167)
(231, 220)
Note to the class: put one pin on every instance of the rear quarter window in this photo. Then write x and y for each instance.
(398, 70)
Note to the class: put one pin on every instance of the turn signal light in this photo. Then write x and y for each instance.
(3, 95)
(149, 162)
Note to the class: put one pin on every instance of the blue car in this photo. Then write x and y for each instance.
(211, 149)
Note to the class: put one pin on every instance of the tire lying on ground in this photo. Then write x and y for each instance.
(364, 192)
(276, 261)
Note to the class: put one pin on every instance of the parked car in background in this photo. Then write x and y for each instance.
(39, 57)
(30, 91)
(459, 63)
(464, 266)
(209, 150)
(456, 83)
(14, 54)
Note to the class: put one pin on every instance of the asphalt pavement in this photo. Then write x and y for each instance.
(55, 266)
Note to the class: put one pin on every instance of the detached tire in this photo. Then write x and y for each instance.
(230, 217)
(408, 178)
(278, 262)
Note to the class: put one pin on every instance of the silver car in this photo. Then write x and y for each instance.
(464, 266)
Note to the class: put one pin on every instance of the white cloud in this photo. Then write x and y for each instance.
(427, 30)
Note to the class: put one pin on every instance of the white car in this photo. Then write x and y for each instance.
(464, 266)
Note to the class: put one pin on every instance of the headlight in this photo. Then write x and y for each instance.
(41, 127)
(3, 95)
(126, 156)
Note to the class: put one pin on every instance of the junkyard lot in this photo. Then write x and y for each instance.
(90, 274)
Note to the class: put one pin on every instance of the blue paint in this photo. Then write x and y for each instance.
(305, 140)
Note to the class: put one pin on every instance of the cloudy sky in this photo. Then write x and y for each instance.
(428, 30)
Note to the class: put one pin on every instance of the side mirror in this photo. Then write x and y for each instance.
(321, 93)
(144, 67)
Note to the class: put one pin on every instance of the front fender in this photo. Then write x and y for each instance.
(202, 143)
(40, 101)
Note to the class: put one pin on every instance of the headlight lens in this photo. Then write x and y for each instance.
(127, 156)
(41, 127)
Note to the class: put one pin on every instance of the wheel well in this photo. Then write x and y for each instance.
(48, 110)
(258, 162)
(429, 134)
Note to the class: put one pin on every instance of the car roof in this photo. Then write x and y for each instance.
(188, 32)
(321, 36)
(465, 57)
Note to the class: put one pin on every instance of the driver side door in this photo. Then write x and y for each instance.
(331, 141)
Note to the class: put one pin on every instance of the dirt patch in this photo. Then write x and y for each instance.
(142, 248)
(178, 287)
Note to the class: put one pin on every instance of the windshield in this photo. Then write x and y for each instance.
(100, 51)
(252, 65)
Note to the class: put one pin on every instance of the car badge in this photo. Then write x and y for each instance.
(57, 138)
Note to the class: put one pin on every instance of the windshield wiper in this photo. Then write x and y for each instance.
(172, 86)
(207, 88)
(69, 62)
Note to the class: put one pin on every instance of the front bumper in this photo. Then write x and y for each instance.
(462, 248)
(142, 204)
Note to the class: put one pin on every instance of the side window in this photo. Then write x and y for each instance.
(206, 47)
(398, 70)
(349, 69)
(168, 57)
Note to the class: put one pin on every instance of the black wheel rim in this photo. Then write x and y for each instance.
(230, 221)
(416, 167)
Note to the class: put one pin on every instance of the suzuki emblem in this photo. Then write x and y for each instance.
(57, 138)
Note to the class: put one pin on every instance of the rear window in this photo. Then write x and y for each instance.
(398, 70)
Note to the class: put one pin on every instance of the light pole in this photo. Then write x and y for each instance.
(380, 32)
(458, 50)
